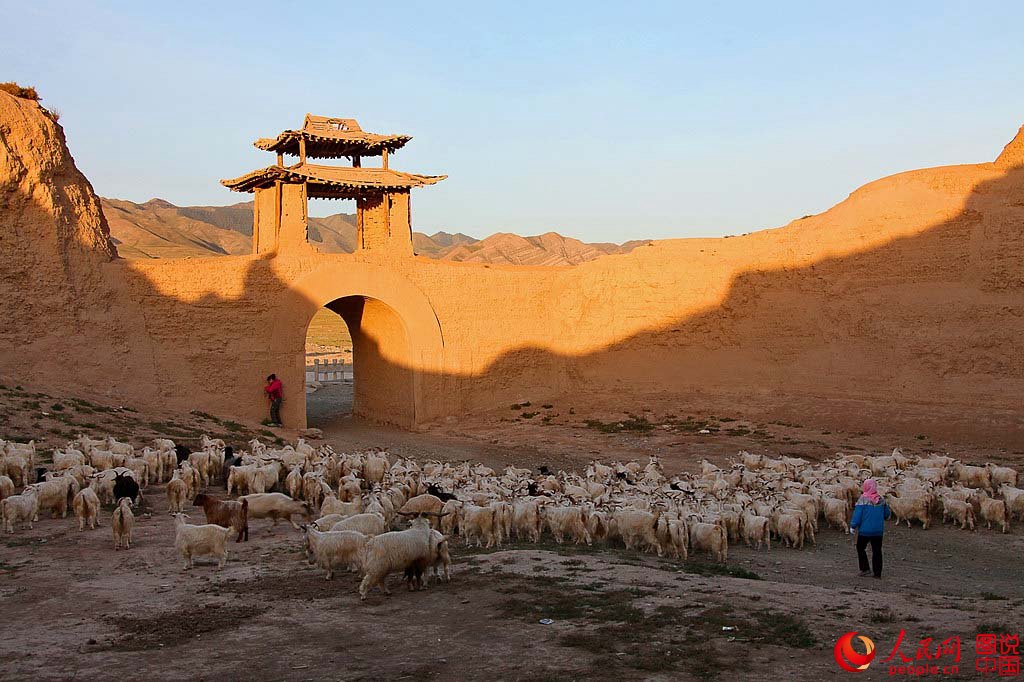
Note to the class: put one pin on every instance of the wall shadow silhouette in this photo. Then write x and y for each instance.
(923, 334)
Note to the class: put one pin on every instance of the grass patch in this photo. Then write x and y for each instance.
(632, 423)
(178, 627)
(529, 415)
(519, 406)
(669, 641)
(702, 568)
(886, 616)
(783, 629)
(546, 598)
(992, 596)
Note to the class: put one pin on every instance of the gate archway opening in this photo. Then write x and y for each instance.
(364, 368)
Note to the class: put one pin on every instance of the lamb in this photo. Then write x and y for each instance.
(57, 495)
(564, 521)
(334, 549)
(1002, 476)
(478, 523)
(398, 551)
(422, 504)
(23, 507)
(192, 541)
(228, 513)
(87, 508)
(638, 529)
(789, 525)
(973, 476)
(119, 448)
(276, 506)
(674, 535)
(1014, 498)
(961, 512)
(438, 558)
(67, 459)
(756, 530)
(140, 467)
(6, 487)
(17, 467)
(241, 479)
(177, 493)
(709, 537)
(994, 510)
(191, 478)
(155, 461)
(325, 523)
(207, 442)
(332, 505)
(200, 461)
(101, 459)
(122, 521)
(293, 483)
(374, 468)
(367, 524)
(910, 507)
(837, 513)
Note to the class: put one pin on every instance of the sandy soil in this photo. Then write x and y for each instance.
(73, 608)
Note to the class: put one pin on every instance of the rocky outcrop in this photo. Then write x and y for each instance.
(1013, 153)
(53, 236)
(63, 318)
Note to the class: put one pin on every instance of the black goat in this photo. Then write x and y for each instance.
(434, 490)
(230, 460)
(543, 469)
(126, 486)
(182, 453)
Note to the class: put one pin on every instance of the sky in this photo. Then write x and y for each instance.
(601, 121)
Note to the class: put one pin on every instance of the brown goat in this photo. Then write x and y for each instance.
(227, 513)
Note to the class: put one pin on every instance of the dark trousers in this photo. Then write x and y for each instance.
(876, 553)
(275, 413)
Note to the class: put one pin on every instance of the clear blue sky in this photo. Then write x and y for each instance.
(636, 120)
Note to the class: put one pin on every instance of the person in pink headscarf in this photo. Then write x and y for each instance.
(869, 517)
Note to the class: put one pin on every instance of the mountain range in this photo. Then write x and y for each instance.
(159, 229)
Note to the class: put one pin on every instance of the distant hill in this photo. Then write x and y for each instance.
(159, 229)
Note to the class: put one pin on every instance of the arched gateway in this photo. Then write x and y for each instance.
(396, 334)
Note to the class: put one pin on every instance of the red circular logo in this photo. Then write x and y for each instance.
(848, 659)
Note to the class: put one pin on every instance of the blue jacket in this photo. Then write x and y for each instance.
(869, 518)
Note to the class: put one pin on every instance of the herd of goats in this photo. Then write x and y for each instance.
(350, 503)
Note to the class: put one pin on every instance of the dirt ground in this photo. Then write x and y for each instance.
(73, 608)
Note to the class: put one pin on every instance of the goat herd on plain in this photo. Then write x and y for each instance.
(350, 501)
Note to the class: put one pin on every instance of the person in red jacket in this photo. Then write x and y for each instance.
(275, 392)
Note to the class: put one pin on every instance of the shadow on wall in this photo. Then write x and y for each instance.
(924, 332)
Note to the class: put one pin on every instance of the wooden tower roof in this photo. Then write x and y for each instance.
(332, 138)
(332, 182)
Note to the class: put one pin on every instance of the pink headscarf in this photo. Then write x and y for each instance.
(871, 491)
